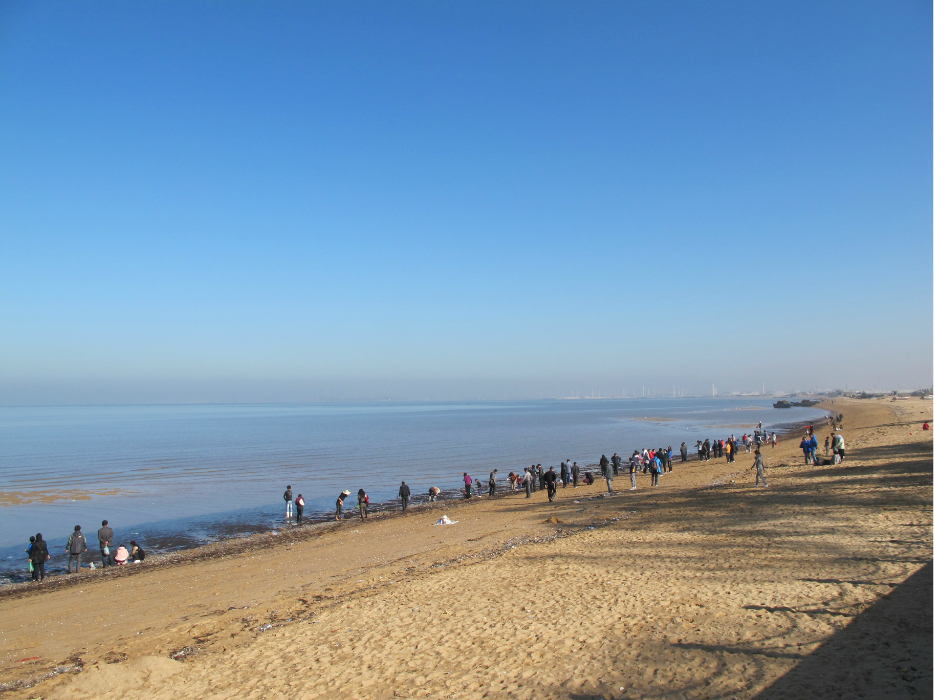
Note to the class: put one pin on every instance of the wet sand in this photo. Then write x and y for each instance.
(703, 587)
(20, 498)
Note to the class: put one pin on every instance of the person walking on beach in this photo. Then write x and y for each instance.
(575, 473)
(38, 556)
(339, 515)
(632, 468)
(527, 482)
(607, 474)
(604, 462)
(468, 485)
(655, 467)
(105, 536)
(299, 509)
(551, 482)
(491, 484)
(288, 502)
(76, 548)
(564, 474)
(759, 466)
(404, 494)
(362, 502)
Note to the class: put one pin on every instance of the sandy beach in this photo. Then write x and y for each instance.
(704, 587)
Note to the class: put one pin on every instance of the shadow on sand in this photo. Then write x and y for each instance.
(885, 652)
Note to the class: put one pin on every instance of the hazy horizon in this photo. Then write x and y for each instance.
(229, 393)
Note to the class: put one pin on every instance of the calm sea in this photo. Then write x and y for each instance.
(178, 476)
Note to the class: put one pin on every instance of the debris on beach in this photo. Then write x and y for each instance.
(445, 520)
(554, 519)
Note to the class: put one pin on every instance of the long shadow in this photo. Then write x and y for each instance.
(885, 651)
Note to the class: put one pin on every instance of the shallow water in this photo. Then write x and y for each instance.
(178, 476)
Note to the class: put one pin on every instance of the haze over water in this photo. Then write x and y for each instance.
(180, 475)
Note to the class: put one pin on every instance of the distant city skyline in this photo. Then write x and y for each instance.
(425, 201)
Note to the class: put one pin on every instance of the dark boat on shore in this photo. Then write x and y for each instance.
(804, 403)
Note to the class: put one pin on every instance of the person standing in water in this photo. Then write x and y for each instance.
(759, 466)
(288, 502)
(299, 508)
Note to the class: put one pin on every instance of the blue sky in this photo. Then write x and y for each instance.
(260, 202)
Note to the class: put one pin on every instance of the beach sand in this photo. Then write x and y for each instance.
(705, 587)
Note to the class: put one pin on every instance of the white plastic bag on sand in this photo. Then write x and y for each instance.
(445, 520)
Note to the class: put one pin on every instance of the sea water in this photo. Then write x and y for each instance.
(178, 476)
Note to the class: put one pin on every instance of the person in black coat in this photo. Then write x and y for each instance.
(405, 493)
(551, 481)
(38, 555)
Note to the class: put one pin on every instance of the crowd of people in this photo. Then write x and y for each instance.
(77, 547)
(834, 444)
(653, 462)
(535, 477)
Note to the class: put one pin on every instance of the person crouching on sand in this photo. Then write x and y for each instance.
(340, 505)
(433, 493)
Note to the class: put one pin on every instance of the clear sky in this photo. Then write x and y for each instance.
(225, 201)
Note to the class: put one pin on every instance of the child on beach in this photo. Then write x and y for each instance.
(759, 466)
(28, 550)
